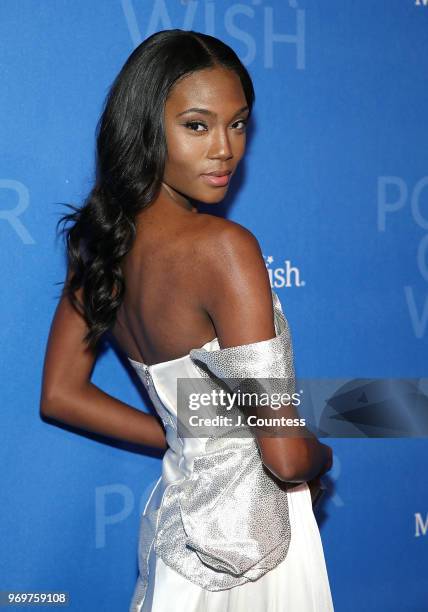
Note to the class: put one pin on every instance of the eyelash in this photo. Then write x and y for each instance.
(190, 123)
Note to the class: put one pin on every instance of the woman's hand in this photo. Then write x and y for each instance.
(315, 485)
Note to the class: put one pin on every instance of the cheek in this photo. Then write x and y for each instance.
(184, 154)
(239, 148)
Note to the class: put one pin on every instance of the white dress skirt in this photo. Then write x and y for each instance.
(298, 584)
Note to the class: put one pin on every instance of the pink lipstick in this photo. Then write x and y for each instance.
(217, 178)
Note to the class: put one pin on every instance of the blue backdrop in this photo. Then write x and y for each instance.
(334, 185)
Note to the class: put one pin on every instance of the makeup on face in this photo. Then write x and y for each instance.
(205, 126)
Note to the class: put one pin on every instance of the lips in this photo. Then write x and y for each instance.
(218, 173)
(216, 179)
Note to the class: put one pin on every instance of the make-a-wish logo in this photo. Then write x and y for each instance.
(288, 276)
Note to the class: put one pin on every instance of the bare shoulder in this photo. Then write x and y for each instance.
(223, 239)
(233, 283)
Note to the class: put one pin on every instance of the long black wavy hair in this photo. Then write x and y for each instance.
(130, 159)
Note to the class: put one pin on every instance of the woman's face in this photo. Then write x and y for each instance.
(206, 140)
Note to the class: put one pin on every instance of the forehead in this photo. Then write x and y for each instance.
(211, 87)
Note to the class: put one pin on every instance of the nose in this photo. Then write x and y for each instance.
(220, 147)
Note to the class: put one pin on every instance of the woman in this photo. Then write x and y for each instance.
(229, 525)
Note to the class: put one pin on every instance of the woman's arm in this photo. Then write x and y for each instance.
(237, 297)
(69, 396)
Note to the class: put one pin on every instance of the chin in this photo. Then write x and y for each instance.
(213, 198)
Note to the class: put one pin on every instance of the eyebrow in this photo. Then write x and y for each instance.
(205, 111)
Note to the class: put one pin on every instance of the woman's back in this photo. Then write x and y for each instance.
(161, 317)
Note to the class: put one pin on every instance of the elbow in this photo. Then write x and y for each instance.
(288, 473)
(296, 476)
(49, 403)
(296, 468)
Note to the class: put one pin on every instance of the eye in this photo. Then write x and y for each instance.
(244, 122)
(191, 125)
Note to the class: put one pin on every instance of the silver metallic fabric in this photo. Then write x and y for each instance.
(222, 520)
